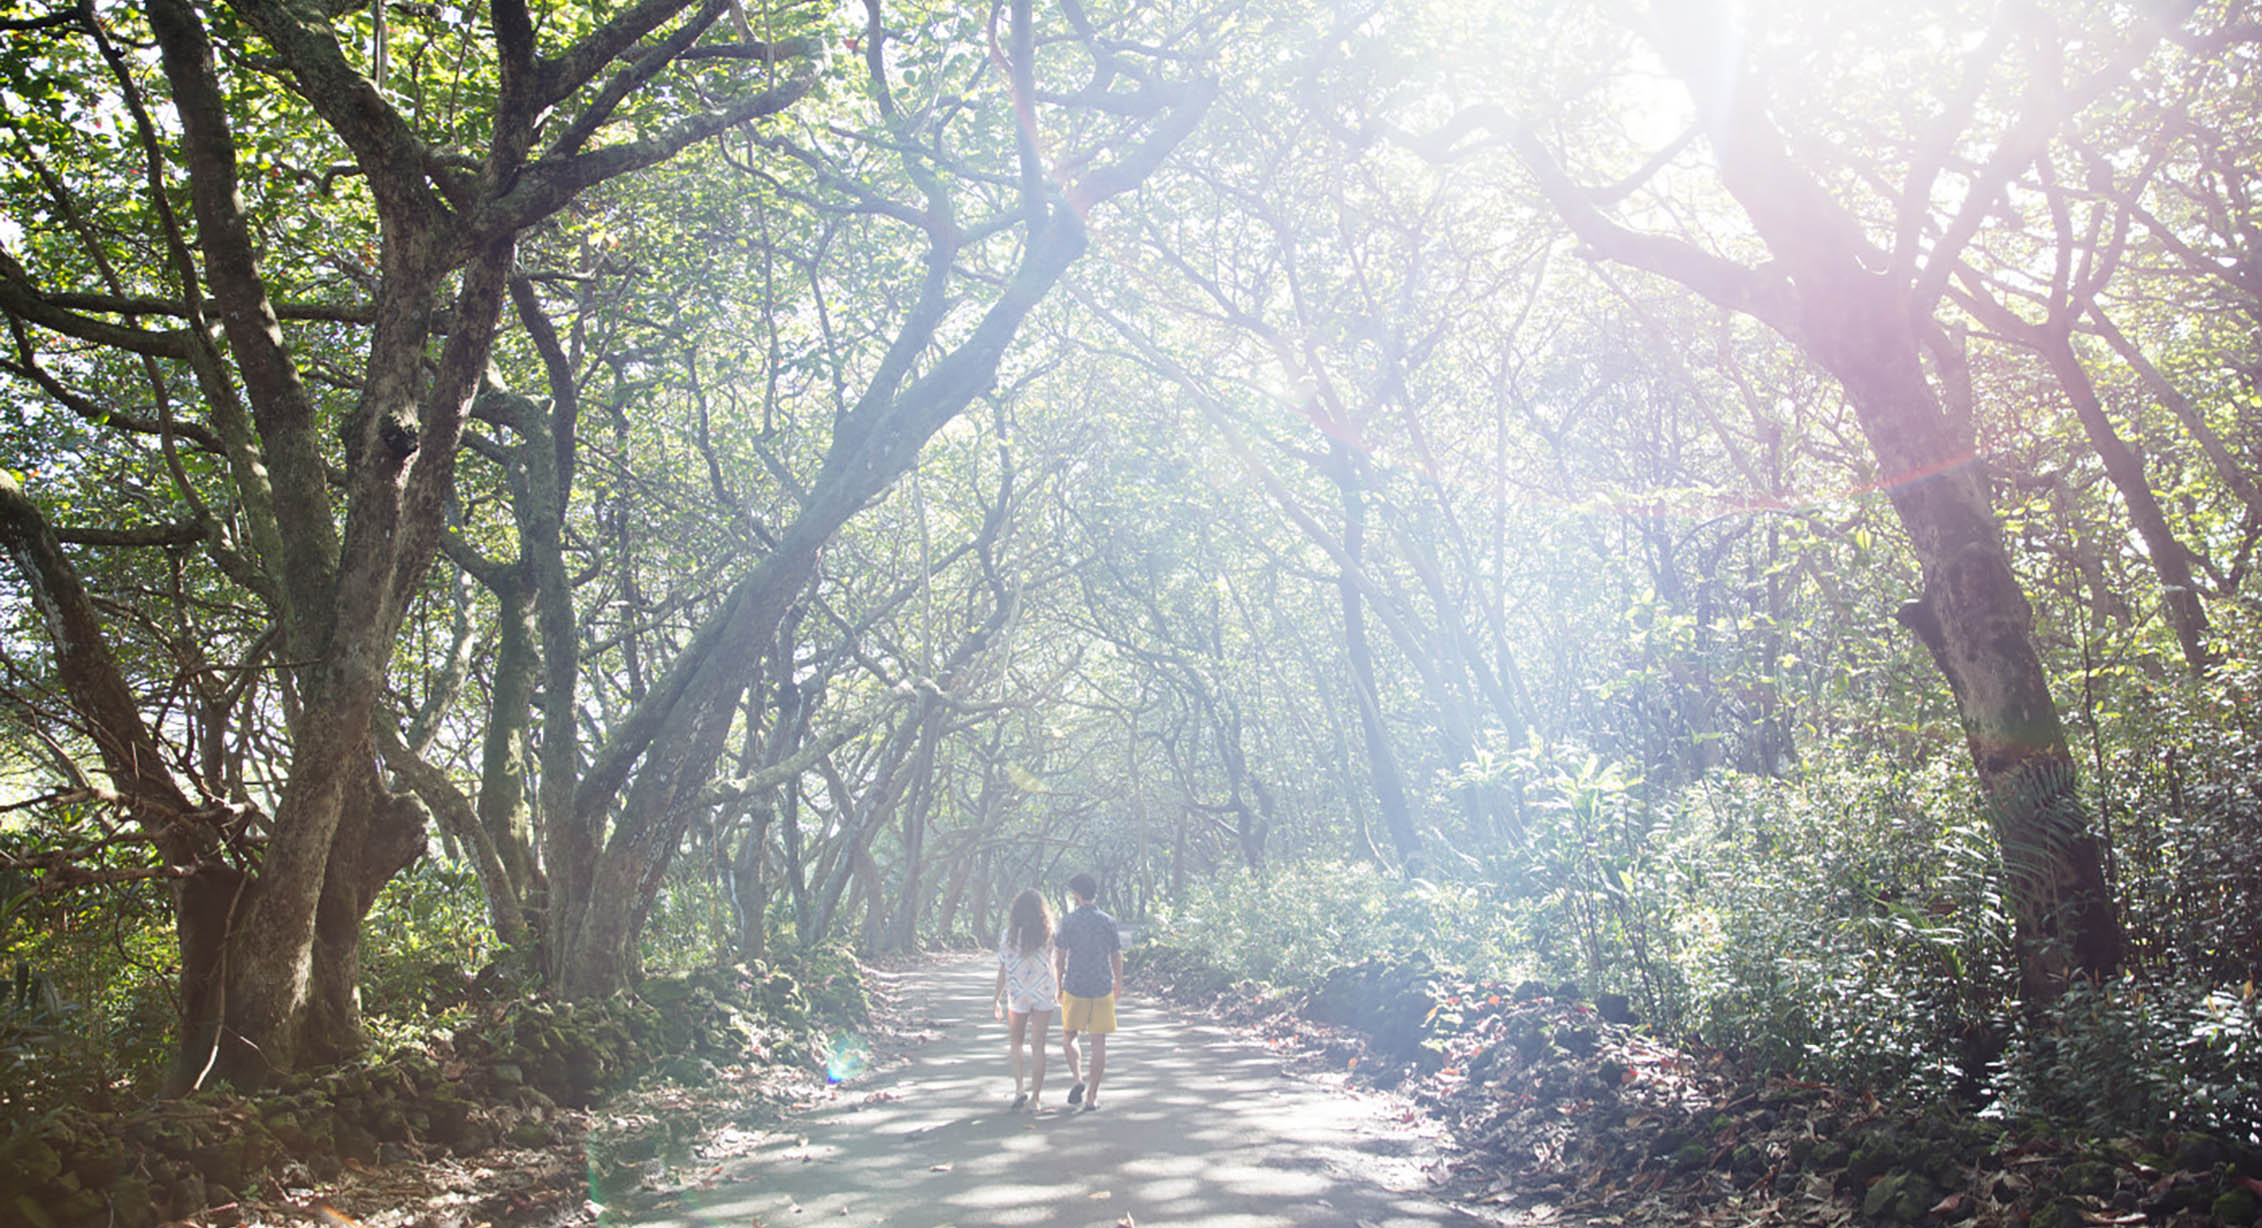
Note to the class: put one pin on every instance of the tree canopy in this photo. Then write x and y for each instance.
(732, 478)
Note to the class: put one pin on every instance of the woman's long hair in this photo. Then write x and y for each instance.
(1029, 926)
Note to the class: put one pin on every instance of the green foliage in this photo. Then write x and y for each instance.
(688, 927)
(1291, 926)
(1591, 875)
(2175, 763)
(1846, 925)
(2139, 1057)
(425, 937)
(86, 1012)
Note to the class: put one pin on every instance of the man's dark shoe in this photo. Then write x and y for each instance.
(1076, 1094)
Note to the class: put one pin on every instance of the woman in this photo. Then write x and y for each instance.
(1027, 988)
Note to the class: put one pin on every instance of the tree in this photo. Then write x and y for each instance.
(335, 546)
(1860, 305)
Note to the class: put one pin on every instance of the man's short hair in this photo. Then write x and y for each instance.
(1085, 886)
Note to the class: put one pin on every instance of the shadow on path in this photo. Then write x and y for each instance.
(1200, 1130)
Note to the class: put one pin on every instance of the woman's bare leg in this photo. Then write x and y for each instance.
(1017, 1024)
(1043, 1020)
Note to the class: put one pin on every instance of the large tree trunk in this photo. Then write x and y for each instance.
(1823, 293)
(1974, 619)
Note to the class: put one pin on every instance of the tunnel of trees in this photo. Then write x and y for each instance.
(1753, 506)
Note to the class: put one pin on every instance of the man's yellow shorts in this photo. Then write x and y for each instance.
(1095, 1015)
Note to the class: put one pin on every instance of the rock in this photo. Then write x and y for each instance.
(2199, 1153)
(691, 1072)
(131, 1201)
(2235, 1206)
(355, 1143)
(1576, 1041)
(635, 1147)
(475, 1137)
(2089, 1177)
(34, 1165)
(187, 1196)
(1898, 1198)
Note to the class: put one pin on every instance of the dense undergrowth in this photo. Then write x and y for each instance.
(1566, 1110)
(1845, 924)
(493, 1067)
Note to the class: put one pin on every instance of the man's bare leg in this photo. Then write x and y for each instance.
(1099, 1067)
(1075, 1062)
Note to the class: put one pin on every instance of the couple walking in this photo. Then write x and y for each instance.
(1077, 970)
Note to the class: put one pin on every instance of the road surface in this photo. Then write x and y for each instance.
(1200, 1129)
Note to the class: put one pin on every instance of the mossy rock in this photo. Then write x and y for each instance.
(33, 1164)
(1575, 1040)
(2093, 1177)
(355, 1143)
(1899, 1198)
(31, 1213)
(1747, 1160)
(72, 1203)
(2236, 1206)
(2198, 1153)
(131, 1200)
(187, 1197)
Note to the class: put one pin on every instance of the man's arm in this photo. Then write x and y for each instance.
(1115, 961)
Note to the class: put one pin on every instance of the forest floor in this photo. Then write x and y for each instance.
(1243, 1110)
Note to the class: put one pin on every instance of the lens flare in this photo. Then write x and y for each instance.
(846, 1056)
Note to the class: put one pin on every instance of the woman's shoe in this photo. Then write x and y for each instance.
(1019, 1099)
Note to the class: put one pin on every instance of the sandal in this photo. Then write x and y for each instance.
(1076, 1094)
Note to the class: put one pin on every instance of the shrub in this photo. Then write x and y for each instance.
(1290, 926)
(2140, 1057)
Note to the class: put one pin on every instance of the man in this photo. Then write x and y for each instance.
(1088, 957)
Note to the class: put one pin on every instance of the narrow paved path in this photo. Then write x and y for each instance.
(1199, 1129)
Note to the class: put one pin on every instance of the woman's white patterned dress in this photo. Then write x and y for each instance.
(1029, 981)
